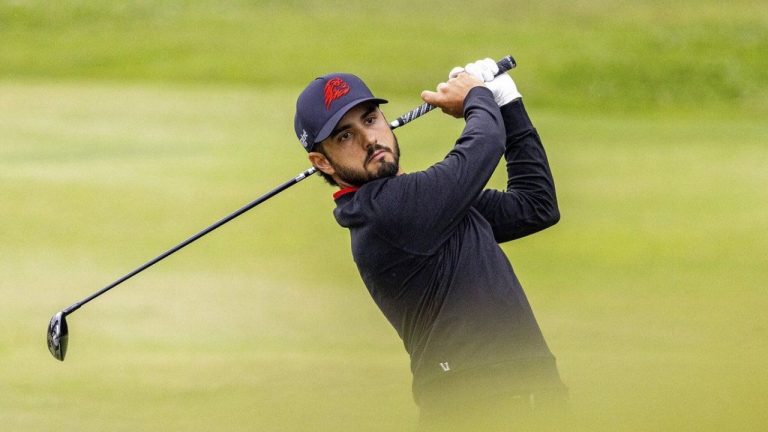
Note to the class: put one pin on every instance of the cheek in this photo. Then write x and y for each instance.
(349, 157)
(389, 136)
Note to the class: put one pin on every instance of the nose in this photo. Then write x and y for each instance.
(369, 139)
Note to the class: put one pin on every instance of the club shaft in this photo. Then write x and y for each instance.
(505, 64)
(220, 222)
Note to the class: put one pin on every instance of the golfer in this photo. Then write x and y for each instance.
(426, 243)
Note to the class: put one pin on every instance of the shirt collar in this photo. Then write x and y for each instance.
(344, 191)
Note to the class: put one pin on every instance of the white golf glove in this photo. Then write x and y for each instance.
(503, 88)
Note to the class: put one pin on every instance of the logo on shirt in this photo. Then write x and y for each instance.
(334, 89)
(445, 366)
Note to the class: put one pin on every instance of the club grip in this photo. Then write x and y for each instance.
(505, 65)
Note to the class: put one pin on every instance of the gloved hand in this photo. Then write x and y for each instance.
(503, 88)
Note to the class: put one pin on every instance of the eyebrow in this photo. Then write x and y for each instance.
(342, 127)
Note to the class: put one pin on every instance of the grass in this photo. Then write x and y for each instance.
(650, 291)
(623, 55)
(647, 290)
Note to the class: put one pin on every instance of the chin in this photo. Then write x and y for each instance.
(387, 169)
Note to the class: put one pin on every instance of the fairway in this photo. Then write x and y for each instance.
(651, 291)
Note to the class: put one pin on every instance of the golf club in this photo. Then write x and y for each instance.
(58, 332)
(506, 64)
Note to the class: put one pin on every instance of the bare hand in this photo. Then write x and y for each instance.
(450, 95)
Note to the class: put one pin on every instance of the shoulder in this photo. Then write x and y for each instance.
(383, 202)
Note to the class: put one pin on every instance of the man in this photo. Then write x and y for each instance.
(426, 243)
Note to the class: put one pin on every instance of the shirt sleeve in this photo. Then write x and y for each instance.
(529, 203)
(417, 212)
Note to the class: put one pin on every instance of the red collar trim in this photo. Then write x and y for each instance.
(347, 190)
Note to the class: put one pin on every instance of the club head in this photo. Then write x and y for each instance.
(58, 335)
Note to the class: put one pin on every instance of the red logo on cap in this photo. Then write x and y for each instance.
(334, 89)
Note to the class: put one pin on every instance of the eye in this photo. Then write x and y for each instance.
(344, 136)
(371, 119)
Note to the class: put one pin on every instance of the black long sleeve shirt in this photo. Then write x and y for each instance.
(426, 246)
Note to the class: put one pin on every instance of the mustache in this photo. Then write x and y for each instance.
(373, 149)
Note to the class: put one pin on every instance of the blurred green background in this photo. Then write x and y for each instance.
(127, 126)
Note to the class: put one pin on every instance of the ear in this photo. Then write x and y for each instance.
(321, 162)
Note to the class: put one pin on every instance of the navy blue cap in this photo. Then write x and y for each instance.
(324, 102)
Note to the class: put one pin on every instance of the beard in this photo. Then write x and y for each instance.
(357, 177)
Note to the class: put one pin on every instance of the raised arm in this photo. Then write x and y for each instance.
(418, 211)
(529, 203)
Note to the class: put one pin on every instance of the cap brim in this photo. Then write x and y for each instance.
(334, 120)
